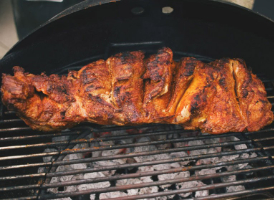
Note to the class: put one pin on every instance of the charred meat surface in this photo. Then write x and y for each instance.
(224, 114)
(129, 89)
(126, 70)
(254, 105)
(158, 79)
(197, 96)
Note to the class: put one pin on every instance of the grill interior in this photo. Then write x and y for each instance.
(26, 170)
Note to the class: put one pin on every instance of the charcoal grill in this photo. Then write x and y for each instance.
(97, 33)
(22, 153)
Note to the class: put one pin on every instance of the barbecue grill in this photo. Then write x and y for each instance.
(153, 161)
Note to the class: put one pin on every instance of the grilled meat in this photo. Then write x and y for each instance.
(126, 93)
(217, 97)
(254, 105)
(157, 90)
(224, 114)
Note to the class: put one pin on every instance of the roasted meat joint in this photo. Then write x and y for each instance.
(129, 89)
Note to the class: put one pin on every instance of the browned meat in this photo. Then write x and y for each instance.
(218, 97)
(39, 100)
(254, 105)
(183, 77)
(92, 89)
(195, 98)
(126, 94)
(192, 110)
(224, 114)
(158, 79)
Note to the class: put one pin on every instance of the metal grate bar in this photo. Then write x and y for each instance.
(153, 173)
(22, 198)
(238, 193)
(10, 121)
(119, 128)
(15, 129)
(121, 137)
(93, 149)
(146, 153)
(20, 187)
(155, 183)
(103, 129)
(22, 176)
(126, 155)
(80, 141)
(26, 165)
(134, 164)
(260, 131)
(239, 161)
(9, 112)
(178, 191)
(189, 158)
(263, 139)
(28, 137)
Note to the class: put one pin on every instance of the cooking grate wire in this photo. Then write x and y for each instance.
(57, 163)
(22, 150)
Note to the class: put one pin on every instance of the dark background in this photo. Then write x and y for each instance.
(29, 14)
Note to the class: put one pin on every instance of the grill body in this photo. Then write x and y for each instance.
(27, 168)
(195, 28)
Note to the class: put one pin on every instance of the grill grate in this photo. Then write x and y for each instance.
(262, 166)
(27, 170)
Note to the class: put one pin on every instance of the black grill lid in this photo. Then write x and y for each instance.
(210, 28)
